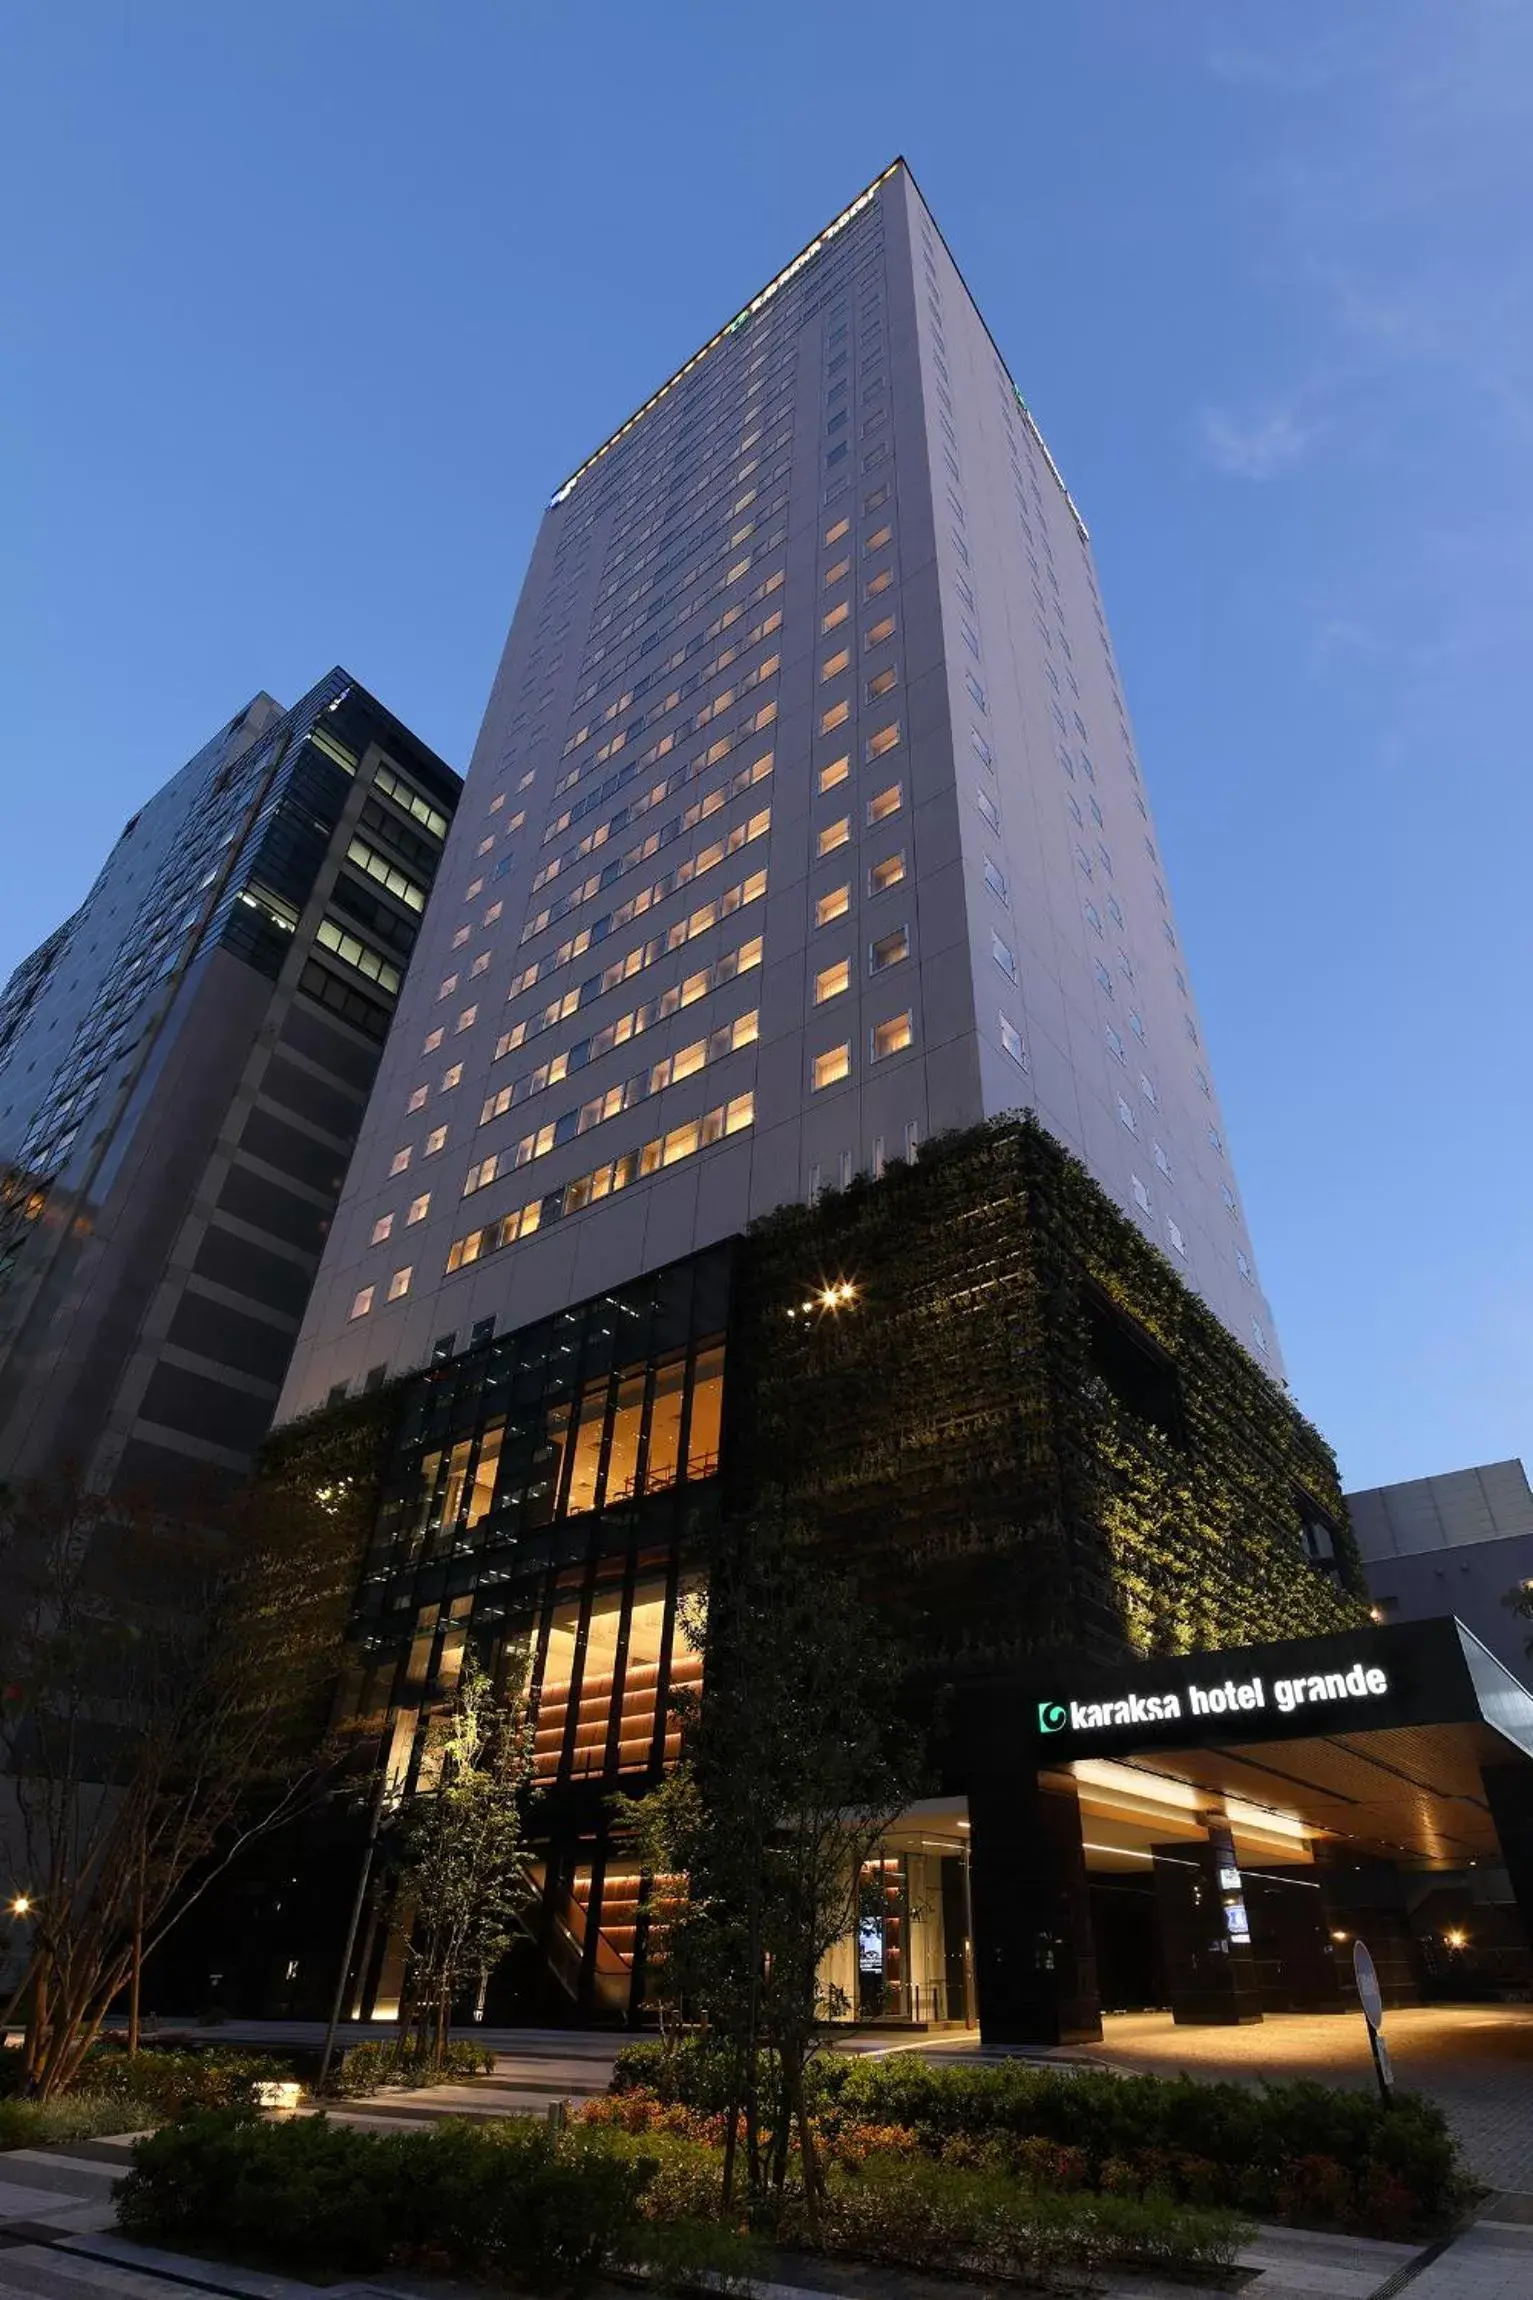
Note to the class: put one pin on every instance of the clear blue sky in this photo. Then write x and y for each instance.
(311, 302)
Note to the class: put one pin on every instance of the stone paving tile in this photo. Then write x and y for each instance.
(20, 2201)
(37, 2272)
(1491, 2261)
(1302, 2264)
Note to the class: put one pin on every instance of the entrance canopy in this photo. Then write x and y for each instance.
(1375, 1738)
(1274, 1801)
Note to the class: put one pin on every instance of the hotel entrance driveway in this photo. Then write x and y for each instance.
(1476, 2059)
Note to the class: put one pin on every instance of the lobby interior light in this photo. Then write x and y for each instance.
(1456, 1938)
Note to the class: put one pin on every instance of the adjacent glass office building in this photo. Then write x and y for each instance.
(184, 1067)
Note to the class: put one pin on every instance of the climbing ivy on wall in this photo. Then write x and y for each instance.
(951, 1429)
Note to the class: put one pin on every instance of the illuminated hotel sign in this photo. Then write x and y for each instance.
(1234, 1697)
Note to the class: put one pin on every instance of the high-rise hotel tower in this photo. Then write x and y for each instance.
(805, 822)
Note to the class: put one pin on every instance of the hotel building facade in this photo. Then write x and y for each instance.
(805, 822)
(803, 939)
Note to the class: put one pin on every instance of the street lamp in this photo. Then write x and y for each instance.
(21, 1905)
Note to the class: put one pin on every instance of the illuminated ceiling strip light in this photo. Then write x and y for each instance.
(1139, 1784)
(1176, 1861)
(804, 256)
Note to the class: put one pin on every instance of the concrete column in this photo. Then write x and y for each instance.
(1035, 1965)
(1210, 1971)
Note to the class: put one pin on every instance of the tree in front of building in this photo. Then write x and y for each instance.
(463, 1877)
(164, 1691)
(796, 1761)
(1520, 1602)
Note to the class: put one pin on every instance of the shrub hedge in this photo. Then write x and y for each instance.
(1304, 2151)
(913, 2213)
(121, 2092)
(385, 2062)
(168, 2082)
(554, 2210)
(508, 2198)
(51, 2123)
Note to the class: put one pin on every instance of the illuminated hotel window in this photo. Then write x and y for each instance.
(834, 665)
(399, 1284)
(598, 1678)
(833, 835)
(399, 1161)
(833, 905)
(832, 980)
(883, 741)
(623, 1452)
(885, 874)
(836, 716)
(548, 1465)
(893, 1036)
(836, 772)
(381, 1228)
(885, 803)
(482, 1490)
(557, 1685)
(705, 1426)
(587, 1454)
(362, 1302)
(419, 1208)
(457, 1482)
(834, 1064)
(641, 1676)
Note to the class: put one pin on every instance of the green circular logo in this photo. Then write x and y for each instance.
(1052, 1716)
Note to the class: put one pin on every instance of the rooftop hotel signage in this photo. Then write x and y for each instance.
(1203, 1696)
